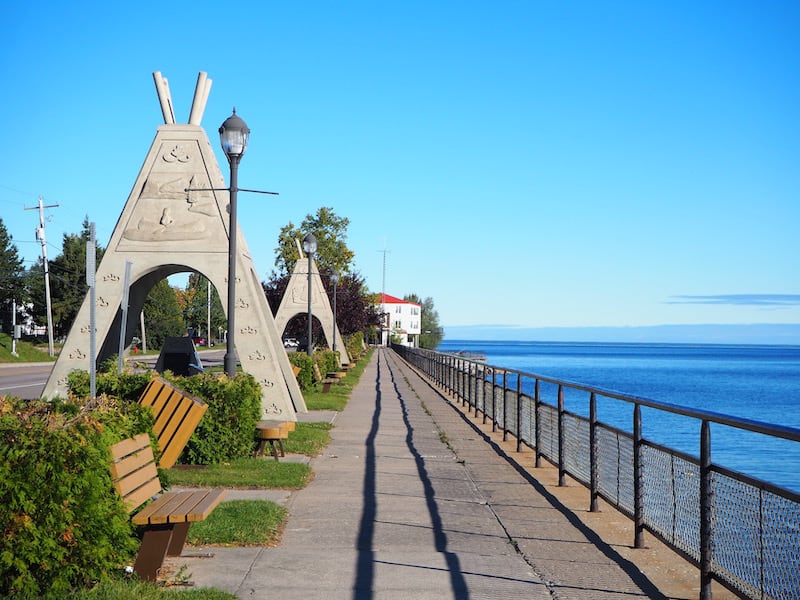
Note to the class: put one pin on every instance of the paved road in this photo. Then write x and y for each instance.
(27, 380)
(24, 380)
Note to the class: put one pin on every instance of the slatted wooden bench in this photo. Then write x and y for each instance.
(326, 381)
(167, 519)
(272, 433)
(176, 417)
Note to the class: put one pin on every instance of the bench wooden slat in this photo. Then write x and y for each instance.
(177, 433)
(158, 512)
(176, 417)
(167, 407)
(200, 505)
(180, 507)
(133, 471)
(143, 516)
(129, 446)
(152, 392)
(131, 463)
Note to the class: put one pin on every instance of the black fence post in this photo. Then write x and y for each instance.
(638, 497)
(519, 411)
(706, 509)
(593, 475)
(562, 469)
(505, 406)
(538, 426)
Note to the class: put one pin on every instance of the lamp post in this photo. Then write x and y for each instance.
(335, 280)
(309, 247)
(233, 134)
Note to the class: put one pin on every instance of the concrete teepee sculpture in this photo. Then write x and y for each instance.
(295, 302)
(165, 229)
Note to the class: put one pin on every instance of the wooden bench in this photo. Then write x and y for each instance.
(176, 417)
(326, 382)
(167, 519)
(272, 432)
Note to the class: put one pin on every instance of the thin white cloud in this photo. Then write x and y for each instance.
(740, 299)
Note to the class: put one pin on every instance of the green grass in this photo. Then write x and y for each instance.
(240, 523)
(336, 399)
(244, 473)
(139, 590)
(308, 438)
(27, 351)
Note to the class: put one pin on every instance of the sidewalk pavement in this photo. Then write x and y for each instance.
(413, 499)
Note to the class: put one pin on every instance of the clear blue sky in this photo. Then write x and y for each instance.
(537, 164)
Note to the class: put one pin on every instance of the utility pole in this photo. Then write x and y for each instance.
(14, 330)
(91, 280)
(40, 235)
(384, 315)
(144, 335)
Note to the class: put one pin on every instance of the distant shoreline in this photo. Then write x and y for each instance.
(771, 334)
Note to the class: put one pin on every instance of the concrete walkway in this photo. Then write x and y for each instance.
(413, 500)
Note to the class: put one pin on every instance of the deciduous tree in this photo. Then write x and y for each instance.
(331, 233)
(196, 307)
(163, 316)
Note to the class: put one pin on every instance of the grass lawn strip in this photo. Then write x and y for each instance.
(131, 589)
(240, 523)
(245, 473)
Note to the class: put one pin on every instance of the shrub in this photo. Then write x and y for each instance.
(227, 428)
(355, 345)
(327, 361)
(125, 385)
(305, 378)
(62, 524)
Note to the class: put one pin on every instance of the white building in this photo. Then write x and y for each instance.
(401, 320)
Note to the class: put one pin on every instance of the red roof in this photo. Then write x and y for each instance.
(388, 299)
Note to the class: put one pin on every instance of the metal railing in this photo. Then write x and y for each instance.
(739, 530)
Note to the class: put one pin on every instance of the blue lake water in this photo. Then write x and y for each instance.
(760, 383)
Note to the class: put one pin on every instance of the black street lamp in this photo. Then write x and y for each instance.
(309, 247)
(335, 280)
(233, 135)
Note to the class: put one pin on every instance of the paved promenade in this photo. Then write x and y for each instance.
(413, 500)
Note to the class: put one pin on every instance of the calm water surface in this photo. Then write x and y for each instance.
(760, 383)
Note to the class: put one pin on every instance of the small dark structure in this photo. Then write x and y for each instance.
(179, 355)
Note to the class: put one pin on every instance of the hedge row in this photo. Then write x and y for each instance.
(62, 526)
(226, 429)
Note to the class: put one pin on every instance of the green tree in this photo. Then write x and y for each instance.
(331, 233)
(12, 282)
(67, 281)
(432, 332)
(196, 309)
(163, 316)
